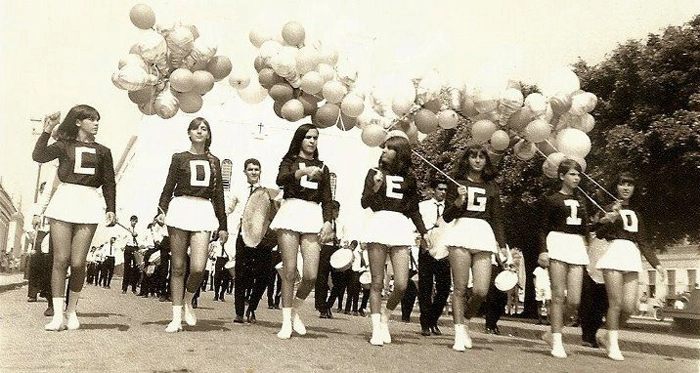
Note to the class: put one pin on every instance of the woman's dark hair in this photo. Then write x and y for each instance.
(402, 160)
(67, 130)
(194, 124)
(295, 144)
(568, 164)
(624, 177)
(489, 171)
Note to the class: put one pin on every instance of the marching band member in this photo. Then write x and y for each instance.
(563, 249)
(197, 208)
(391, 193)
(303, 220)
(474, 232)
(621, 263)
(76, 207)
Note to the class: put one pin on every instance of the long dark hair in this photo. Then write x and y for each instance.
(194, 124)
(402, 161)
(488, 173)
(295, 144)
(67, 130)
(625, 177)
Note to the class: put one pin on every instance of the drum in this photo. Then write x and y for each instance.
(154, 258)
(366, 279)
(341, 260)
(506, 280)
(257, 215)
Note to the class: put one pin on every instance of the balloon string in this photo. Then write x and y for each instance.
(578, 187)
(435, 167)
(586, 175)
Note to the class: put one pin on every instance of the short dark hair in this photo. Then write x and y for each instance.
(435, 182)
(335, 205)
(134, 217)
(568, 164)
(249, 161)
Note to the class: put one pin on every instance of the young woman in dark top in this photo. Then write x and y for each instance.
(474, 232)
(303, 220)
(391, 193)
(197, 209)
(76, 207)
(621, 263)
(563, 240)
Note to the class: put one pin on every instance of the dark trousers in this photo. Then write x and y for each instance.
(432, 273)
(324, 269)
(220, 276)
(340, 283)
(39, 281)
(206, 280)
(593, 307)
(131, 270)
(365, 298)
(274, 284)
(91, 273)
(495, 301)
(408, 300)
(252, 273)
(353, 292)
(108, 270)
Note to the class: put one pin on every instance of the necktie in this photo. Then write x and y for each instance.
(438, 206)
(251, 189)
(110, 249)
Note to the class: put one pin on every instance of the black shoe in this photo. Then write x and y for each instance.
(323, 314)
(123, 291)
(195, 304)
(406, 319)
(494, 331)
(270, 306)
(330, 314)
(436, 330)
(354, 313)
(593, 344)
(361, 312)
(31, 299)
(347, 312)
(163, 299)
(425, 332)
(238, 320)
(48, 311)
(216, 299)
(251, 317)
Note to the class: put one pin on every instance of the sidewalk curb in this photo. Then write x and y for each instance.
(12, 285)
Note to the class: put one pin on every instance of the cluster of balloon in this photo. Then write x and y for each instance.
(411, 105)
(555, 125)
(302, 79)
(170, 68)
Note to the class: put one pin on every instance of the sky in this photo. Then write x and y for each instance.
(59, 54)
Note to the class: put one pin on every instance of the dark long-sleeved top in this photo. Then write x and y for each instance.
(628, 226)
(397, 193)
(318, 191)
(563, 213)
(483, 202)
(81, 163)
(195, 175)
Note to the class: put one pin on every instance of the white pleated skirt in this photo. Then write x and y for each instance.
(193, 214)
(469, 233)
(568, 248)
(389, 228)
(298, 215)
(621, 255)
(77, 204)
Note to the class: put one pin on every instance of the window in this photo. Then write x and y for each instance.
(652, 283)
(692, 279)
(671, 278)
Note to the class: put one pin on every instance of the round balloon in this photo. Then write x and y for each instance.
(334, 91)
(448, 119)
(268, 78)
(537, 131)
(560, 103)
(182, 80)
(551, 165)
(482, 130)
(282, 92)
(346, 123)
(190, 102)
(310, 104)
(573, 142)
(258, 35)
(134, 59)
(253, 94)
(166, 104)
(352, 105)
(326, 115)
(500, 140)
(312, 82)
(219, 67)
(142, 95)
(306, 59)
(293, 110)
(142, 16)
(293, 33)
(239, 79)
(585, 122)
(426, 121)
(373, 135)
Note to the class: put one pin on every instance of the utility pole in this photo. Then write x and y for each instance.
(35, 132)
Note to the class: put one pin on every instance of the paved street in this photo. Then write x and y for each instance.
(124, 333)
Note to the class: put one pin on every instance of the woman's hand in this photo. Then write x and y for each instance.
(51, 121)
(110, 219)
(315, 173)
(426, 242)
(160, 218)
(461, 195)
(326, 233)
(610, 217)
(378, 180)
(223, 237)
(543, 260)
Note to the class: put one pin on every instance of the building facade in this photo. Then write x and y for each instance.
(681, 264)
